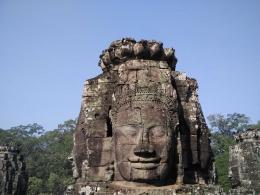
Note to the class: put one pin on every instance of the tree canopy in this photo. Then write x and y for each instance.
(233, 123)
(46, 155)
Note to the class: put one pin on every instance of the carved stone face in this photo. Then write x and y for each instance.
(78, 153)
(75, 169)
(143, 141)
(233, 175)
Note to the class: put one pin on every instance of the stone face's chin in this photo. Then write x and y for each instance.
(75, 173)
(164, 170)
(125, 170)
(144, 174)
(144, 166)
(145, 171)
(234, 182)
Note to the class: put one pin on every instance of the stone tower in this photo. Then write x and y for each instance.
(244, 163)
(141, 129)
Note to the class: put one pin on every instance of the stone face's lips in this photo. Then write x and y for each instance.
(137, 159)
(146, 165)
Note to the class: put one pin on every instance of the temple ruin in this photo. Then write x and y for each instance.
(244, 163)
(13, 177)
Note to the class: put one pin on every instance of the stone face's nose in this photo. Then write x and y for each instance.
(70, 158)
(144, 147)
(145, 136)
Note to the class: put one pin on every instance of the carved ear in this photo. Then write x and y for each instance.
(112, 116)
(176, 129)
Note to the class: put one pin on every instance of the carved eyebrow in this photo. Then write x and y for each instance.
(156, 125)
(129, 125)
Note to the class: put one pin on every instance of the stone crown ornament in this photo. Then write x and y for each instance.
(127, 48)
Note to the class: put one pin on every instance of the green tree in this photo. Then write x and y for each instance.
(222, 169)
(5, 137)
(257, 125)
(233, 123)
(46, 154)
(53, 183)
(220, 147)
(220, 143)
(59, 144)
(56, 184)
(35, 186)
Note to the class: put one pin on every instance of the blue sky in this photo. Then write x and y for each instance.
(49, 48)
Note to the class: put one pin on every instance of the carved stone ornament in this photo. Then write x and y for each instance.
(141, 125)
(13, 177)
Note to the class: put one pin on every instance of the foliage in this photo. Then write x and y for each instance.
(234, 123)
(46, 154)
(257, 125)
(220, 143)
(222, 168)
(220, 147)
(35, 185)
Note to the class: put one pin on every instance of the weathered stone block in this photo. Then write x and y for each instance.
(90, 90)
(96, 128)
(93, 101)
(99, 158)
(195, 157)
(96, 174)
(79, 137)
(103, 144)
(193, 146)
(96, 113)
(205, 157)
(163, 65)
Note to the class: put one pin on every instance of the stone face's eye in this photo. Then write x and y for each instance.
(157, 131)
(129, 131)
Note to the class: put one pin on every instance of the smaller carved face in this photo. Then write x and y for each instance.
(142, 143)
(233, 175)
(75, 170)
(78, 153)
(70, 189)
